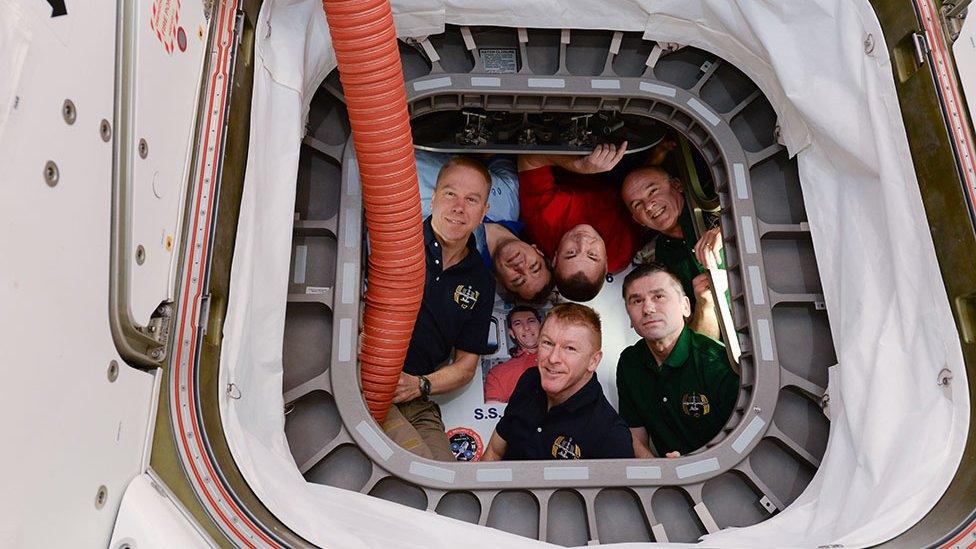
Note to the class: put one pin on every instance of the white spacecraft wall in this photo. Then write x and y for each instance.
(70, 429)
(896, 437)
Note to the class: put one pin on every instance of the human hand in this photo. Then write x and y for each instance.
(702, 287)
(603, 158)
(407, 389)
(709, 247)
(660, 151)
(671, 455)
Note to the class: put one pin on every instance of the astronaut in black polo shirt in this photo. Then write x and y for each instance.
(455, 313)
(558, 410)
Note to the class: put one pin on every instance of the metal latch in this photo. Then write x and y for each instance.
(921, 47)
(204, 319)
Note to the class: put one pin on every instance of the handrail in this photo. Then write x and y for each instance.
(140, 346)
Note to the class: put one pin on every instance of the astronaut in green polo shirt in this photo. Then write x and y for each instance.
(675, 386)
(656, 200)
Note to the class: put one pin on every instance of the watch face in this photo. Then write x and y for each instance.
(424, 386)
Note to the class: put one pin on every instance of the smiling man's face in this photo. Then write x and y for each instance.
(459, 203)
(521, 268)
(654, 199)
(569, 353)
(656, 306)
(523, 327)
(581, 249)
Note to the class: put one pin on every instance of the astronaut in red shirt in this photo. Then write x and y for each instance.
(577, 218)
(523, 327)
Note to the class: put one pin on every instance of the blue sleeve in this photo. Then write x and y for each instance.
(428, 166)
(504, 198)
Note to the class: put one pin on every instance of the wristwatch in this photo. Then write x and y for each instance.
(424, 386)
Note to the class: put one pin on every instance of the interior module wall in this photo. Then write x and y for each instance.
(772, 444)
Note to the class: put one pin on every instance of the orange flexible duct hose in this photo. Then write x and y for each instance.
(372, 81)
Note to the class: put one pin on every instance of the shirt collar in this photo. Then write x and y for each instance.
(687, 225)
(430, 239)
(587, 394)
(681, 350)
(679, 353)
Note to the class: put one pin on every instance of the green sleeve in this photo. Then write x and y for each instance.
(725, 386)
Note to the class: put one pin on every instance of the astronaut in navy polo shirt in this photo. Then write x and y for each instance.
(558, 410)
(455, 313)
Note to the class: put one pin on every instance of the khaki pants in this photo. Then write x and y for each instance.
(417, 427)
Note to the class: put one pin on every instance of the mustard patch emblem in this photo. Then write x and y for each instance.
(465, 296)
(695, 405)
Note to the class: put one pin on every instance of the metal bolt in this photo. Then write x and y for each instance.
(51, 173)
(101, 497)
(113, 371)
(869, 44)
(156, 353)
(69, 112)
(757, 409)
(105, 130)
(143, 148)
(140, 254)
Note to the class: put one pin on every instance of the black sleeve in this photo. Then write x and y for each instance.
(511, 409)
(473, 337)
(617, 443)
(628, 409)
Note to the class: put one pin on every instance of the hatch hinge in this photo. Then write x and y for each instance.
(953, 15)
(158, 329)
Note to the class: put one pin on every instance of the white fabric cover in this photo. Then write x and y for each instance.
(15, 37)
(896, 438)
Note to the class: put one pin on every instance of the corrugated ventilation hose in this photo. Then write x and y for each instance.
(372, 81)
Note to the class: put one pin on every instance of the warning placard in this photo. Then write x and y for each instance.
(164, 21)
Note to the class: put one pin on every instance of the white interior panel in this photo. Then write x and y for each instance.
(67, 429)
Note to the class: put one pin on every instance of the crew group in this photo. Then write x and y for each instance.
(676, 387)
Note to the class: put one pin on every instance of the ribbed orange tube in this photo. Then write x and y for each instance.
(372, 81)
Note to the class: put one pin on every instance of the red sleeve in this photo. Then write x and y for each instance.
(537, 184)
(494, 392)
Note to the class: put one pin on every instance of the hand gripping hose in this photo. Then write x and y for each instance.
(372, 81)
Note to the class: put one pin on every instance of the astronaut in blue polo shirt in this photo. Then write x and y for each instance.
(558, 410)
